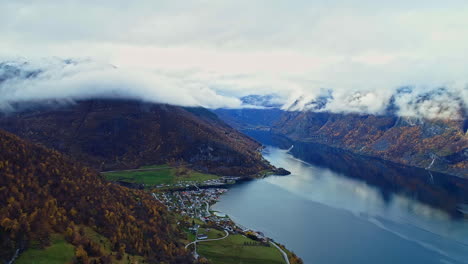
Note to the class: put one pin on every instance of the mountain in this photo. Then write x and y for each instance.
(267, 101)
(111, 134)
(259, 113)
(13, 70)
(45, 195)
(439, 145)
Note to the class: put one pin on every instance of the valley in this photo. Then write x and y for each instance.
(233, 132)
(188, 184)
(214, 156)
(436, 145)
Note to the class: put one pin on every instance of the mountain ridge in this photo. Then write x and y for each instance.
(440, 145)
(110, 134)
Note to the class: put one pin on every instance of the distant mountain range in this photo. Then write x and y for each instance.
(265, 101)
(122, 134)
(250, 118)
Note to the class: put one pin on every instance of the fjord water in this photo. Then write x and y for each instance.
(337, 207)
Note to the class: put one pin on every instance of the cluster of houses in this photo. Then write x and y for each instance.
(196, 204)
(192, 203)
(219, 182)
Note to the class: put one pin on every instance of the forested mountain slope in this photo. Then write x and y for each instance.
(122, 134)
(43, 193)
(440, 145)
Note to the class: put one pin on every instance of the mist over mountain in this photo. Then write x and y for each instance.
(262, 101)
(68, 80)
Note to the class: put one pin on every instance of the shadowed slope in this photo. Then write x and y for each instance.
(124, 134)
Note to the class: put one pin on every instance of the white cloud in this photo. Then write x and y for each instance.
(211, 52)
(90, 80)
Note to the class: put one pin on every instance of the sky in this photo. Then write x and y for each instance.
(211, 52)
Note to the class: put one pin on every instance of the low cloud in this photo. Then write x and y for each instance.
(68, 80)
(74, 80)
(338, 55)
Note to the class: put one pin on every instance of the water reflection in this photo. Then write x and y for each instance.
(368, 210)
(398, 201)
(446, 192)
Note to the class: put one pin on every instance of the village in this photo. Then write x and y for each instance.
(204, 225)
(195, 204)
(217, 182)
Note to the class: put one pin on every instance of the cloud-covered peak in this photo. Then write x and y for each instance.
(267, 101)
(339, 56)
(419, 102)
(68, 80)
(74, 80)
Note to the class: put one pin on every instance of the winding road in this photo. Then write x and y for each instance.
(285, 256)
(208, 208)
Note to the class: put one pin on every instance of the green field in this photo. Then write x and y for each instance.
(233, 251)
(59, 252)
(162, 174)
(212, 233)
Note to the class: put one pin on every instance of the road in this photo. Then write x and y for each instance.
(285, 256)
(204, 240)
(208, 208)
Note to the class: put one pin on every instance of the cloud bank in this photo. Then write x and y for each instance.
(339, 55)
(74, 80)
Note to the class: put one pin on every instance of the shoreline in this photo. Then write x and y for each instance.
(192, 201)
(247, 229)
(202, 200)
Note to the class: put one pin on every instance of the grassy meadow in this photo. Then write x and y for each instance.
(233, 250)
(159, 174)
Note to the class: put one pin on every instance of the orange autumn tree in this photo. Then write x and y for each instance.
(42, 192)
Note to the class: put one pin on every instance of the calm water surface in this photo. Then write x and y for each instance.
(336, 207)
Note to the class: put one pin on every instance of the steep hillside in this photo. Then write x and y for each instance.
(43, 193)
(440, 145)
(121, 134)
